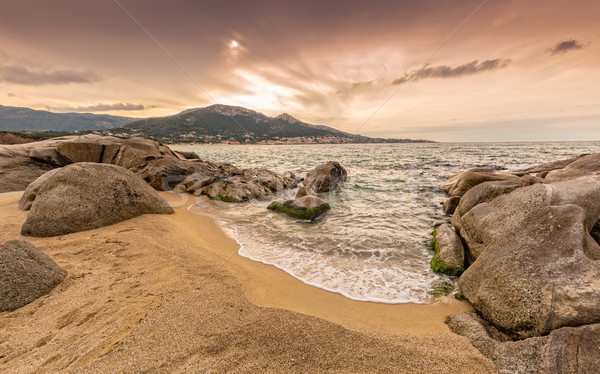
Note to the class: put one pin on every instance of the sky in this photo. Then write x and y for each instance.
(461, 70)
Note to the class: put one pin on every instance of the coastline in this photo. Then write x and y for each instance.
(163, 292)
(269, 286)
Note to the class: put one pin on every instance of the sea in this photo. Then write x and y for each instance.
(374, 245)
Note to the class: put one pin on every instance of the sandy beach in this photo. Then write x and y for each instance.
(168, 293)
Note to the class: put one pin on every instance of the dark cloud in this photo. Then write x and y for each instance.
(11, 94)
(19, 74)
(564, 47)
(101, 107)
(444, 71)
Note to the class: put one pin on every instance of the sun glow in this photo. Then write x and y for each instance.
(234, 44)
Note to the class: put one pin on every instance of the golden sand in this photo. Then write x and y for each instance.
(168, 293)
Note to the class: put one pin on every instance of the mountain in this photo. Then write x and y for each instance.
(25, 119)
(229, 122)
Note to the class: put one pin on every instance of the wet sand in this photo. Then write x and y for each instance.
(168, 293)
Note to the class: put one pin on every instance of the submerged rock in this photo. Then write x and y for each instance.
(326, 177)
(86, 196)
(306, 207)
(26, 273)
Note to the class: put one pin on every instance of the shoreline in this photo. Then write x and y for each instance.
(269, 286)
(170, 293)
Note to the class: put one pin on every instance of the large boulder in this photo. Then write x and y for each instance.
(306, 207)
(565, 350)
(26, 273)
(86, 196)
(481, 222)
(449, 255)
(459, 184)
(326, 177)
(542, 275)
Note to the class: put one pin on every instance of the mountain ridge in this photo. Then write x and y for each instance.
(27, 119)
(212, 124)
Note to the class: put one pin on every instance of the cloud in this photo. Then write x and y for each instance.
(355, 86)
(23, 75)
(101, 107)
(444, 71)
(564, 47)
(11, 94)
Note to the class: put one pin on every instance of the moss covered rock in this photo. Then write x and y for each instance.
(307, 207)
(449, 255)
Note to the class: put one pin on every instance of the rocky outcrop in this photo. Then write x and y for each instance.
(326, 177)
(449, 255)
(533, 244)
(155, 163)
(459, 184)
(306, 207)
(85, 196)
(26, 273)
(565, 350)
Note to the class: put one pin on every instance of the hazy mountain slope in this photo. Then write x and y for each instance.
(25, 119)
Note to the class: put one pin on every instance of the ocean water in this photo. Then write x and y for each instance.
(374, 244)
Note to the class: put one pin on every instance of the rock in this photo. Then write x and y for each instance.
(307, 207)
(26, 273)
(326, 177)
(155, 163)
(544, 169)
(17, 169)
(482, 193)
(185, 155)
(165, 174)
(459, 184)
(86, 196)
(449, 255)
(451, 204)
(565, 350)
(489, 221)
(32, 190)
(304, 191)
(586, 165)
(542, 275)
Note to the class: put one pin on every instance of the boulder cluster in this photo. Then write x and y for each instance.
(155, 163)
(526, 246)
(307, 205)
(78, 183)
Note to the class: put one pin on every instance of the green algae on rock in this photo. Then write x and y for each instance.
(307, 207)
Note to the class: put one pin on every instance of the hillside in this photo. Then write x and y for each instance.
(25, 119)
(222, 122)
